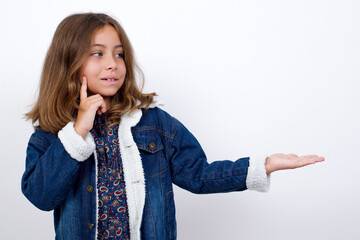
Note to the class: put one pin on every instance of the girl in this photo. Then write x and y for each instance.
(103, 155)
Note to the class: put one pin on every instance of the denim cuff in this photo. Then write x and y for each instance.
(78, 148)
(257, 179)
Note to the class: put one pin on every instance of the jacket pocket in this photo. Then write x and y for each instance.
(151, 150)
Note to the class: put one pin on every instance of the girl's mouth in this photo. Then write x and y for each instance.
(109, 79)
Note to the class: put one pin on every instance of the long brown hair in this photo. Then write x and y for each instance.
(58, 99)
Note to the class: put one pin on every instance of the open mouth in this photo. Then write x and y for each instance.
(110, 79)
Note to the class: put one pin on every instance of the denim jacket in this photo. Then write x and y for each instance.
(156, 150)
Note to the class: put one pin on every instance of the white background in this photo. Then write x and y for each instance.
(245, 77)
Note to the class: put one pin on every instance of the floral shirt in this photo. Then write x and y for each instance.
(113, 219)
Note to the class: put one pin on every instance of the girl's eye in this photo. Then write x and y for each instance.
(120, 55)
(96, 54)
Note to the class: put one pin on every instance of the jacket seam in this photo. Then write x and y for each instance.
(39, 142)
(176, 126)
(152, 128)
(168, 209)
(220, 178)
(157, 173)
(152, 218)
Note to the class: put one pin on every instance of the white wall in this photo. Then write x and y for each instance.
(245, 77)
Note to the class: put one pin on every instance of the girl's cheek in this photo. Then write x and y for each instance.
(124, 69)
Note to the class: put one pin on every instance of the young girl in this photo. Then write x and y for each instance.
(103, 155)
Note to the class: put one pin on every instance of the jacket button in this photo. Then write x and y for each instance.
(91, 226)
(152, 146)
(90, 188)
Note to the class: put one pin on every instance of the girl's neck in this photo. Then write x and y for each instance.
(107, 103)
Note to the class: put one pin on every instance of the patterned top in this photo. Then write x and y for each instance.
(113, 219)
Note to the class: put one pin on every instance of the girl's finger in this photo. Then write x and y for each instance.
(102, 108)
(307, 157)
(319, 159)
(83, 89)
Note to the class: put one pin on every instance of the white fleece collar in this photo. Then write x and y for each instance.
(133, 170)
(132, 167)
(133, 174)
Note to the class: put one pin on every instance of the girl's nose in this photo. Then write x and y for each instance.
(111, 64)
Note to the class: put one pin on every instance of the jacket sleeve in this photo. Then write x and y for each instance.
(191, 171)
(52, 166)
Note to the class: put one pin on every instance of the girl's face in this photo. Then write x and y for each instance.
(104, 68)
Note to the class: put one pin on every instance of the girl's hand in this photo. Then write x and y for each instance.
(87, 110)
(289, 161)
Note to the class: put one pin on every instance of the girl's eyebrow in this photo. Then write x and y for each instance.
(103, 46)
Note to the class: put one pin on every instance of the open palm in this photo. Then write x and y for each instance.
(282, 161)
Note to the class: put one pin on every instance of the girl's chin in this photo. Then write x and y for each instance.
(104, 95)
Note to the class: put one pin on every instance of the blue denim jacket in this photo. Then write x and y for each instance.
(62, 179)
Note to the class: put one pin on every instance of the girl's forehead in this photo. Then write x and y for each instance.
(105, 34)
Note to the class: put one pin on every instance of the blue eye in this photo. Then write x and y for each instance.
(96, 54)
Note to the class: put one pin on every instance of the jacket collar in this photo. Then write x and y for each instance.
(133, 170)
